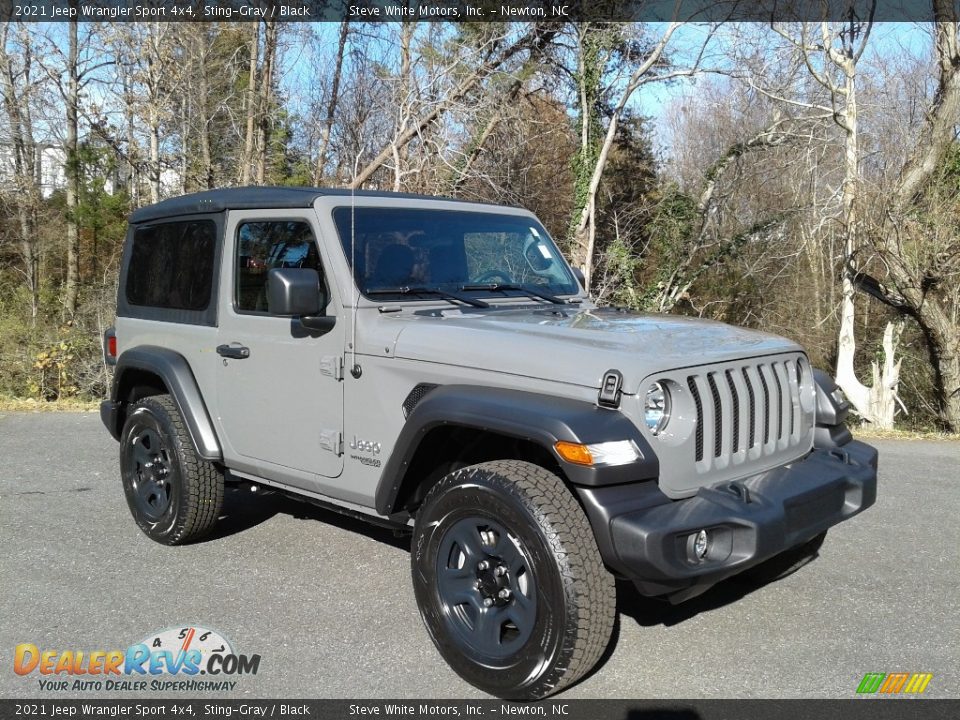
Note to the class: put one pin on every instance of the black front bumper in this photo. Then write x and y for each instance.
(648, 538)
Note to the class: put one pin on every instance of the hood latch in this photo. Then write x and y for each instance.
(609, 396)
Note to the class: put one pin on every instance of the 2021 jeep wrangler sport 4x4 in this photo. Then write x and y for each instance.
(433, 363)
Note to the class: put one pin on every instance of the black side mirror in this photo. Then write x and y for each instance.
(298, 292)
(293, 291)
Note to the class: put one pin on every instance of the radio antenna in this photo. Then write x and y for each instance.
(355, 370)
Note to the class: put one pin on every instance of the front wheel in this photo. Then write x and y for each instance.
(509, 580)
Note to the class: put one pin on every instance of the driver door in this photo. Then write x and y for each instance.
(280, 395)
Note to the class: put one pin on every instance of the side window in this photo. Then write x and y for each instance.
(171, 265)
(268, 244)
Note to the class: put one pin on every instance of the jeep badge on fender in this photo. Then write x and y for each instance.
(537, 445)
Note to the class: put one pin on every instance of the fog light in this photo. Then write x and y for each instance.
(701, 544)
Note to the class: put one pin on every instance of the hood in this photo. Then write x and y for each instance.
(577, 346)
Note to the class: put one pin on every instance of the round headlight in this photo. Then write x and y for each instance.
(656, 407)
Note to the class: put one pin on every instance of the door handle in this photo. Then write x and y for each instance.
(237, 352)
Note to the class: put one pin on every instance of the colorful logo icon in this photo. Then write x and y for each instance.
(894, 683)
(186, 651)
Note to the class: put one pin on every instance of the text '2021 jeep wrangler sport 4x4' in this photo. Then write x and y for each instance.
(435, 363)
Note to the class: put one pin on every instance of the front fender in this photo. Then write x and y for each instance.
(541, 419)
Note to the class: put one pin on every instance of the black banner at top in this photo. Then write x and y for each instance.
(477, 10)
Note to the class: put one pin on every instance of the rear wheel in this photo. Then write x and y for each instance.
(173, 495)
(509, 580)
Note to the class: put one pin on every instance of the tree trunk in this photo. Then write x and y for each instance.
(73, 175)
(404, 100)
(250, 101)
(206, 155)
(154, 123)
(319, 171)
(266, 99)
(132, 149)
(25, 163)
(943, 339)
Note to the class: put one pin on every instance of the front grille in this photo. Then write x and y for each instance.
(734, 403)
(696, 399)
(717, 414)
(753, 408)
(736, 407)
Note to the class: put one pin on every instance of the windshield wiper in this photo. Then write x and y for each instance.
(503, 287)
(452, 297)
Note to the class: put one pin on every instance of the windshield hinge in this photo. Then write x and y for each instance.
(609, 396)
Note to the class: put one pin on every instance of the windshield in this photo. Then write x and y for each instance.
(396, 248)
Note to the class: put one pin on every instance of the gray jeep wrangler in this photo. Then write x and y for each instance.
(435, 365)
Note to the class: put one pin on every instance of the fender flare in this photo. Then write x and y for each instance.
(174, 370)
(541, 419)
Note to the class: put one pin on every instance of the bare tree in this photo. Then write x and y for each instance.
(16, 82)
(250, 105)
(917, 284)
(491, 58)
(331, 104)
(830, 56)
(584, 233)
(265, 98)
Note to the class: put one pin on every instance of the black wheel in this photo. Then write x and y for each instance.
(509, 580)
(786, 563)
(174, 496)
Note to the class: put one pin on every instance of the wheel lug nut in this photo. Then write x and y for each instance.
(487, 602)
(505, 593)
(483, 565)
(500, 571)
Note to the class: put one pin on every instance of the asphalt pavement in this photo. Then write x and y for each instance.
(326, 601)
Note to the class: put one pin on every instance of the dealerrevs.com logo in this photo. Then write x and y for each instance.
(168, 660)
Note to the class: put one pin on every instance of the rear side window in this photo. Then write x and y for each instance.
(172, 265)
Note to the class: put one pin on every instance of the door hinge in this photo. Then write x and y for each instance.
(332, 440)
(332, 366)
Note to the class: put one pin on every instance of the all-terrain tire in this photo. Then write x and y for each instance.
(174, 495)
(540, 614)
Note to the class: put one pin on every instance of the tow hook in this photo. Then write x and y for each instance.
(841, 455)
(738, 490)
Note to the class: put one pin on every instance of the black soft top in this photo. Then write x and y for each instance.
(256, 197)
